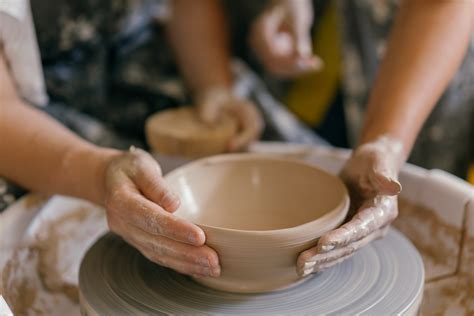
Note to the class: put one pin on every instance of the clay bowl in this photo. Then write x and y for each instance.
(180, 132)
(258, 212)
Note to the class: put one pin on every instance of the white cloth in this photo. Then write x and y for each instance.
(19, 45)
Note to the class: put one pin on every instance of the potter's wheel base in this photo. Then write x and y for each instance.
(385, 277)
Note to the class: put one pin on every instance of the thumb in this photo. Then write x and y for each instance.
(302, 37)
(208, 111)
(384, 183)
(300, 19)
(212, 102)
(301, 31)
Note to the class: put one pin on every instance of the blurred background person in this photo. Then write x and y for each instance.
(320, 58)
(351, 101)
(102, 68)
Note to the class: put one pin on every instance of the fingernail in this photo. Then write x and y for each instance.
(309, 265)
(204, 262)
(194, 239)
(302, 65)
(318, 63)
(206, 272)
(170, 200)
(215, 272)
(326, 248)
(307, 64)
(307, 272)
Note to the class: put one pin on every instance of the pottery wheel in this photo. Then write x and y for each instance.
(384, 278)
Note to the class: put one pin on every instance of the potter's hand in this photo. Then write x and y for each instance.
(371, 178)
(139, 208)
(281, 38)
(215, 101)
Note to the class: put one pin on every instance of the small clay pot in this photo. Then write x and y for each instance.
(259, 212)
(180, 132)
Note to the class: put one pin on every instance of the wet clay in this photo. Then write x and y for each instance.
(33, 278)
(455, 295)
(34, 201)
(22, 293)
(441, 245)
(437, 241)
(180, 132)
(450, 296)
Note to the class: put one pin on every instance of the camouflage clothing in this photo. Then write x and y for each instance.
(107, 60)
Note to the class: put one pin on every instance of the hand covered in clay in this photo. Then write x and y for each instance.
(139, 208)
(281, 38)
(218, 100)
(371, 178)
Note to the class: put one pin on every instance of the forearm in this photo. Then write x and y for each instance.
(425, 48)
(198, 35)
(40, 154)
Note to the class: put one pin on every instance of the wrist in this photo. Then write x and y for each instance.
(86, 167)
(215, 94)
(104, 156)
(387, 145)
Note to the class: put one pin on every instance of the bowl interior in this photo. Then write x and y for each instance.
(246, 192)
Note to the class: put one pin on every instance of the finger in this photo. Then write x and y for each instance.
(209, 112)
(312, 63)
(299, 20)
(251, 126)
(161, 246)
(359, 244)
(384, 173)
(329, 264)
(140, 212)
(147, 176)
(371, 216)
(384, 183)
(302, 37)
(156, 189)
(270, 24)
(274, 47)
(312, 260)
(180, 266)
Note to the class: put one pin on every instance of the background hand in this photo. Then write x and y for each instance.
(216, 101)
(139, 208)
(371, 178)
(281, 38)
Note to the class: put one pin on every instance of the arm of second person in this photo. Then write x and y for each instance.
(422, 56)
(198, 34)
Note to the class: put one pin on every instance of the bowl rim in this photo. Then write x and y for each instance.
(325, 223)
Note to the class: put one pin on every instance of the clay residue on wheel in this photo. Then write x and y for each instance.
(443, 245)
(49, 276)
(449, 296)
(23, 293)
(437, 241)
(33, 279)
(34, 201)
(19, 291)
